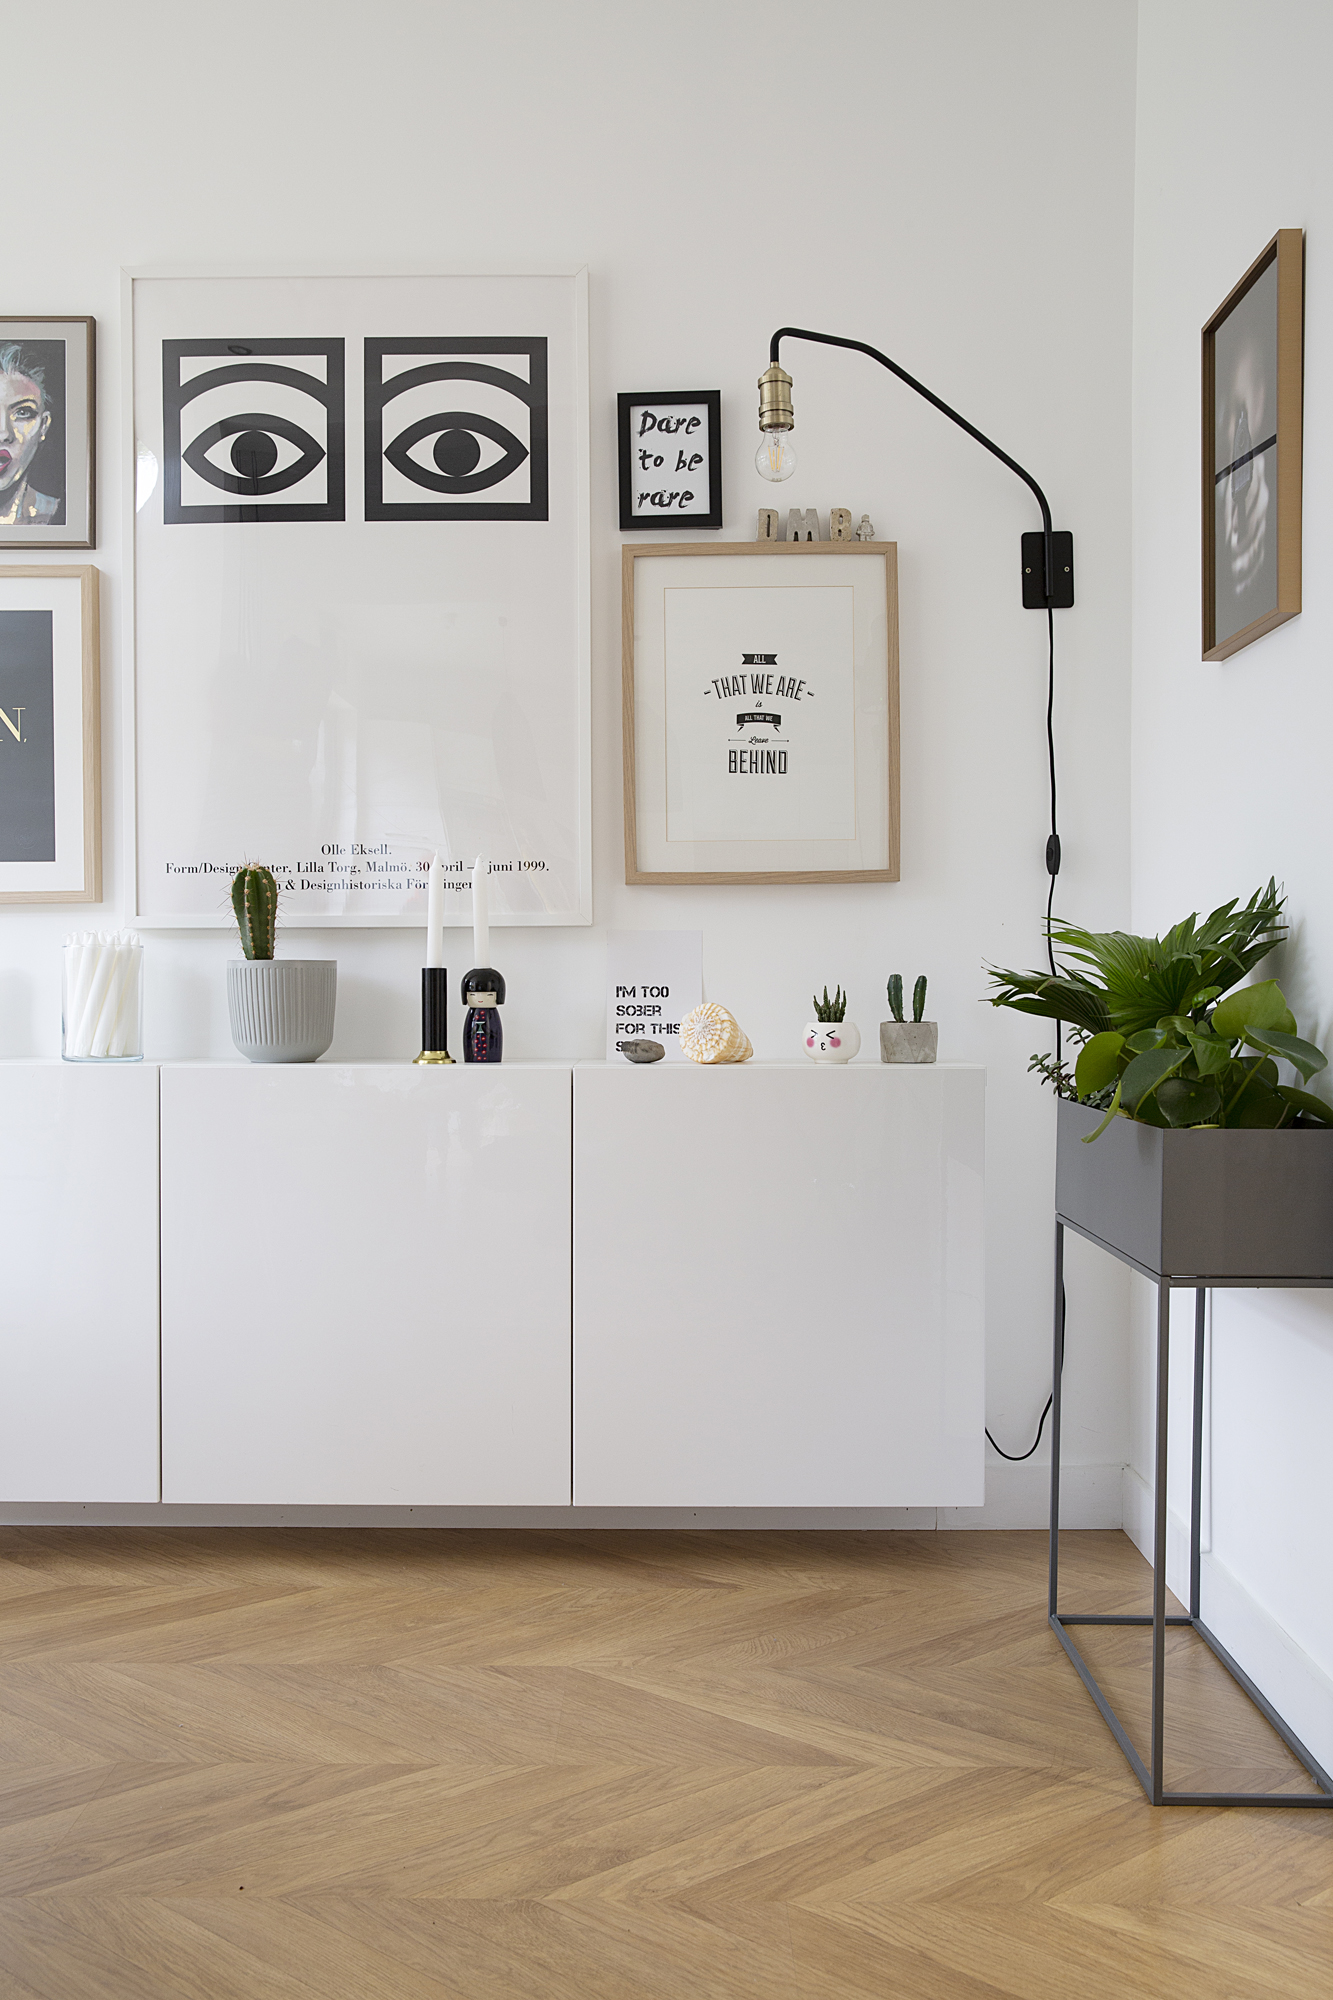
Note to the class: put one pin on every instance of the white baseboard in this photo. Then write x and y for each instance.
(1019, 1496)
(1298, 1687)
(52, 1514)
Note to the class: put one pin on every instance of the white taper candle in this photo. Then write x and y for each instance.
(435, 914)
(481, 915)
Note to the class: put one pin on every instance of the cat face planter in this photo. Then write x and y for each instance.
(831, 1041)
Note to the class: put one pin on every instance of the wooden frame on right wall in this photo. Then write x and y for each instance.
(1253, 361)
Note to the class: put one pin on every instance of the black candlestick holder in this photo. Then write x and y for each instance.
(434, 1015)
(483, 992)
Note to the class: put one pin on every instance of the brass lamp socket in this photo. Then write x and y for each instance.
(775, 410)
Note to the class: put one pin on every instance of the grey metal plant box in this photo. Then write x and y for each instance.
(1217, 1206)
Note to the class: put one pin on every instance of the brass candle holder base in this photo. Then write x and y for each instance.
(433, 1056)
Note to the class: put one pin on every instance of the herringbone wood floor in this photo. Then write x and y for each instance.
(270, 1765)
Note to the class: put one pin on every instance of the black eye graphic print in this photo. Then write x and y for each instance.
(225, 460)
(426, 461)
(457, 452)
(254, 454)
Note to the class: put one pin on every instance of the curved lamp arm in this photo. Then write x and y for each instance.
(860, 346)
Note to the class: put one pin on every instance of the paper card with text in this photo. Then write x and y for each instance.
(653, 979)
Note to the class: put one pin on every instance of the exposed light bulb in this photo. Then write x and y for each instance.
(776, 456)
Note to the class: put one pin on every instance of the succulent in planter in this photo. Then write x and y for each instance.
(914, 1041)
(281, 1010)
(831, 1037)
(1160, 1042)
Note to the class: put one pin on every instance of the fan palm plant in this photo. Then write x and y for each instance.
(1158, 1037)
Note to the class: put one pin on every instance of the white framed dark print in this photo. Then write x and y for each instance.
(360, 616)
(670, 459)
(761, 712)
(48, 486)
(50, 736)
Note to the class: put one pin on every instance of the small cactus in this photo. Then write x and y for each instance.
(896, 995)
(830, 1010)
(918, 998)
(254, 898)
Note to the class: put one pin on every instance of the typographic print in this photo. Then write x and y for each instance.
(453, 436)
(27, 737)
(253, 430)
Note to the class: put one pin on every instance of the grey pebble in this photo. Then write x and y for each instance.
(642, 1052)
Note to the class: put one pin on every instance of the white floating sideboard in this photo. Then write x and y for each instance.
(530, 1285)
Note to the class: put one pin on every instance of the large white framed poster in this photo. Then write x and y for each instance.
(360, 618)
(761, 712)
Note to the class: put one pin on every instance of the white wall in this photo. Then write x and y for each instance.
(952, 183)
(1230, 761)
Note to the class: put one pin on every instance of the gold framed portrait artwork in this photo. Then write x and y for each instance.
(760, 712)
(50, 736)
(1252, 417)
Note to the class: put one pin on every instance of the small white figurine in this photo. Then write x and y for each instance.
(866, 531)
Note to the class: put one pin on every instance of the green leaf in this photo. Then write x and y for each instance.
(1306, 1103)
(1262, 1006)
(1098, 1063)
(1259, 1109)
(1189, 1101)
(1111, 1111)
(1211, 1052)
(1146, 1072)
(1303, 1056)
(1145, 1039)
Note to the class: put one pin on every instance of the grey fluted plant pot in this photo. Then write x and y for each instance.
(908, 1041)
(282, 1008)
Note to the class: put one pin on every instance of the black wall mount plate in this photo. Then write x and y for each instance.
(1034, 570)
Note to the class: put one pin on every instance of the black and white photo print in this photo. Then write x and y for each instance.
(456, 429)
(253, 430)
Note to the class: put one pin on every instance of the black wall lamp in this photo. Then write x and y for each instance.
(1047, 552)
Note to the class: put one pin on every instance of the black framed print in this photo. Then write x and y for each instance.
(671, 459)
(1252, 418)
(48, 433)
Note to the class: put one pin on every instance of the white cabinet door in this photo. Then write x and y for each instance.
(78, 1327)
(366, 1284)
(778, 1285)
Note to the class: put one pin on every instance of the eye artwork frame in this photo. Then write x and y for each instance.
(50, 735)
(760, 712)
(1253, 391)
(358, 628)
(658, 488)
(48, 469)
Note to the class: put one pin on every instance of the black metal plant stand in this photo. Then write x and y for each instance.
(1150, 1776)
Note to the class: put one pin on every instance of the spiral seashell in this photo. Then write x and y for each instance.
(710, 1034)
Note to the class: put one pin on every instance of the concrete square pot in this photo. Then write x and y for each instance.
(908, 1041)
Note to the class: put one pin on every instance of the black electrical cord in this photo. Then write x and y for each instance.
(1053, 869)
(1053, 840)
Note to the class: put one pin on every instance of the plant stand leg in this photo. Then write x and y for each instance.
(1196, 1467)
(1057, 1369)
(1159, 1539)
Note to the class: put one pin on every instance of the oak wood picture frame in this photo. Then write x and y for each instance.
(633, 553)
(1287, 252)
(88, 577)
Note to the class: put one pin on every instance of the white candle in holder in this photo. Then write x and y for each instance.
(435, 914)
(481, 916)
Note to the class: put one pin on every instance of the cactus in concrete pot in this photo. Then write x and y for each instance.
(914, 1041)
(254, 898)
(281, 1010)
